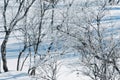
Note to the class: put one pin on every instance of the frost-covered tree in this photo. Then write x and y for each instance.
(10, 21)
(87, 32)
(99, 51)
(39, 29)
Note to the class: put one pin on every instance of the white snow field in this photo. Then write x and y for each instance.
(14, 75)
(65, 72)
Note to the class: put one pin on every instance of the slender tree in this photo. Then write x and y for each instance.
(9, 27)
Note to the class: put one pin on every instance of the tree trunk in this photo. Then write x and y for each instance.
(3, 52)
(18, 61)
(19, 56)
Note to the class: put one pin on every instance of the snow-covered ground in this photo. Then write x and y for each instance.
(14, 75)
(65, 72)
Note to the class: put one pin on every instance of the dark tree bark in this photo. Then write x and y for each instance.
(3, 52)
(19, 57)
(118, 1)
(9, 28)
(110, 1)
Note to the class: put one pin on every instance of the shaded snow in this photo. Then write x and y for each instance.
(65, 72)
(14, 75)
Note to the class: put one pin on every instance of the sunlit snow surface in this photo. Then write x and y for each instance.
(66, 74)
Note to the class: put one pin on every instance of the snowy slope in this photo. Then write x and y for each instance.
(65, 72)
(14, 75)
